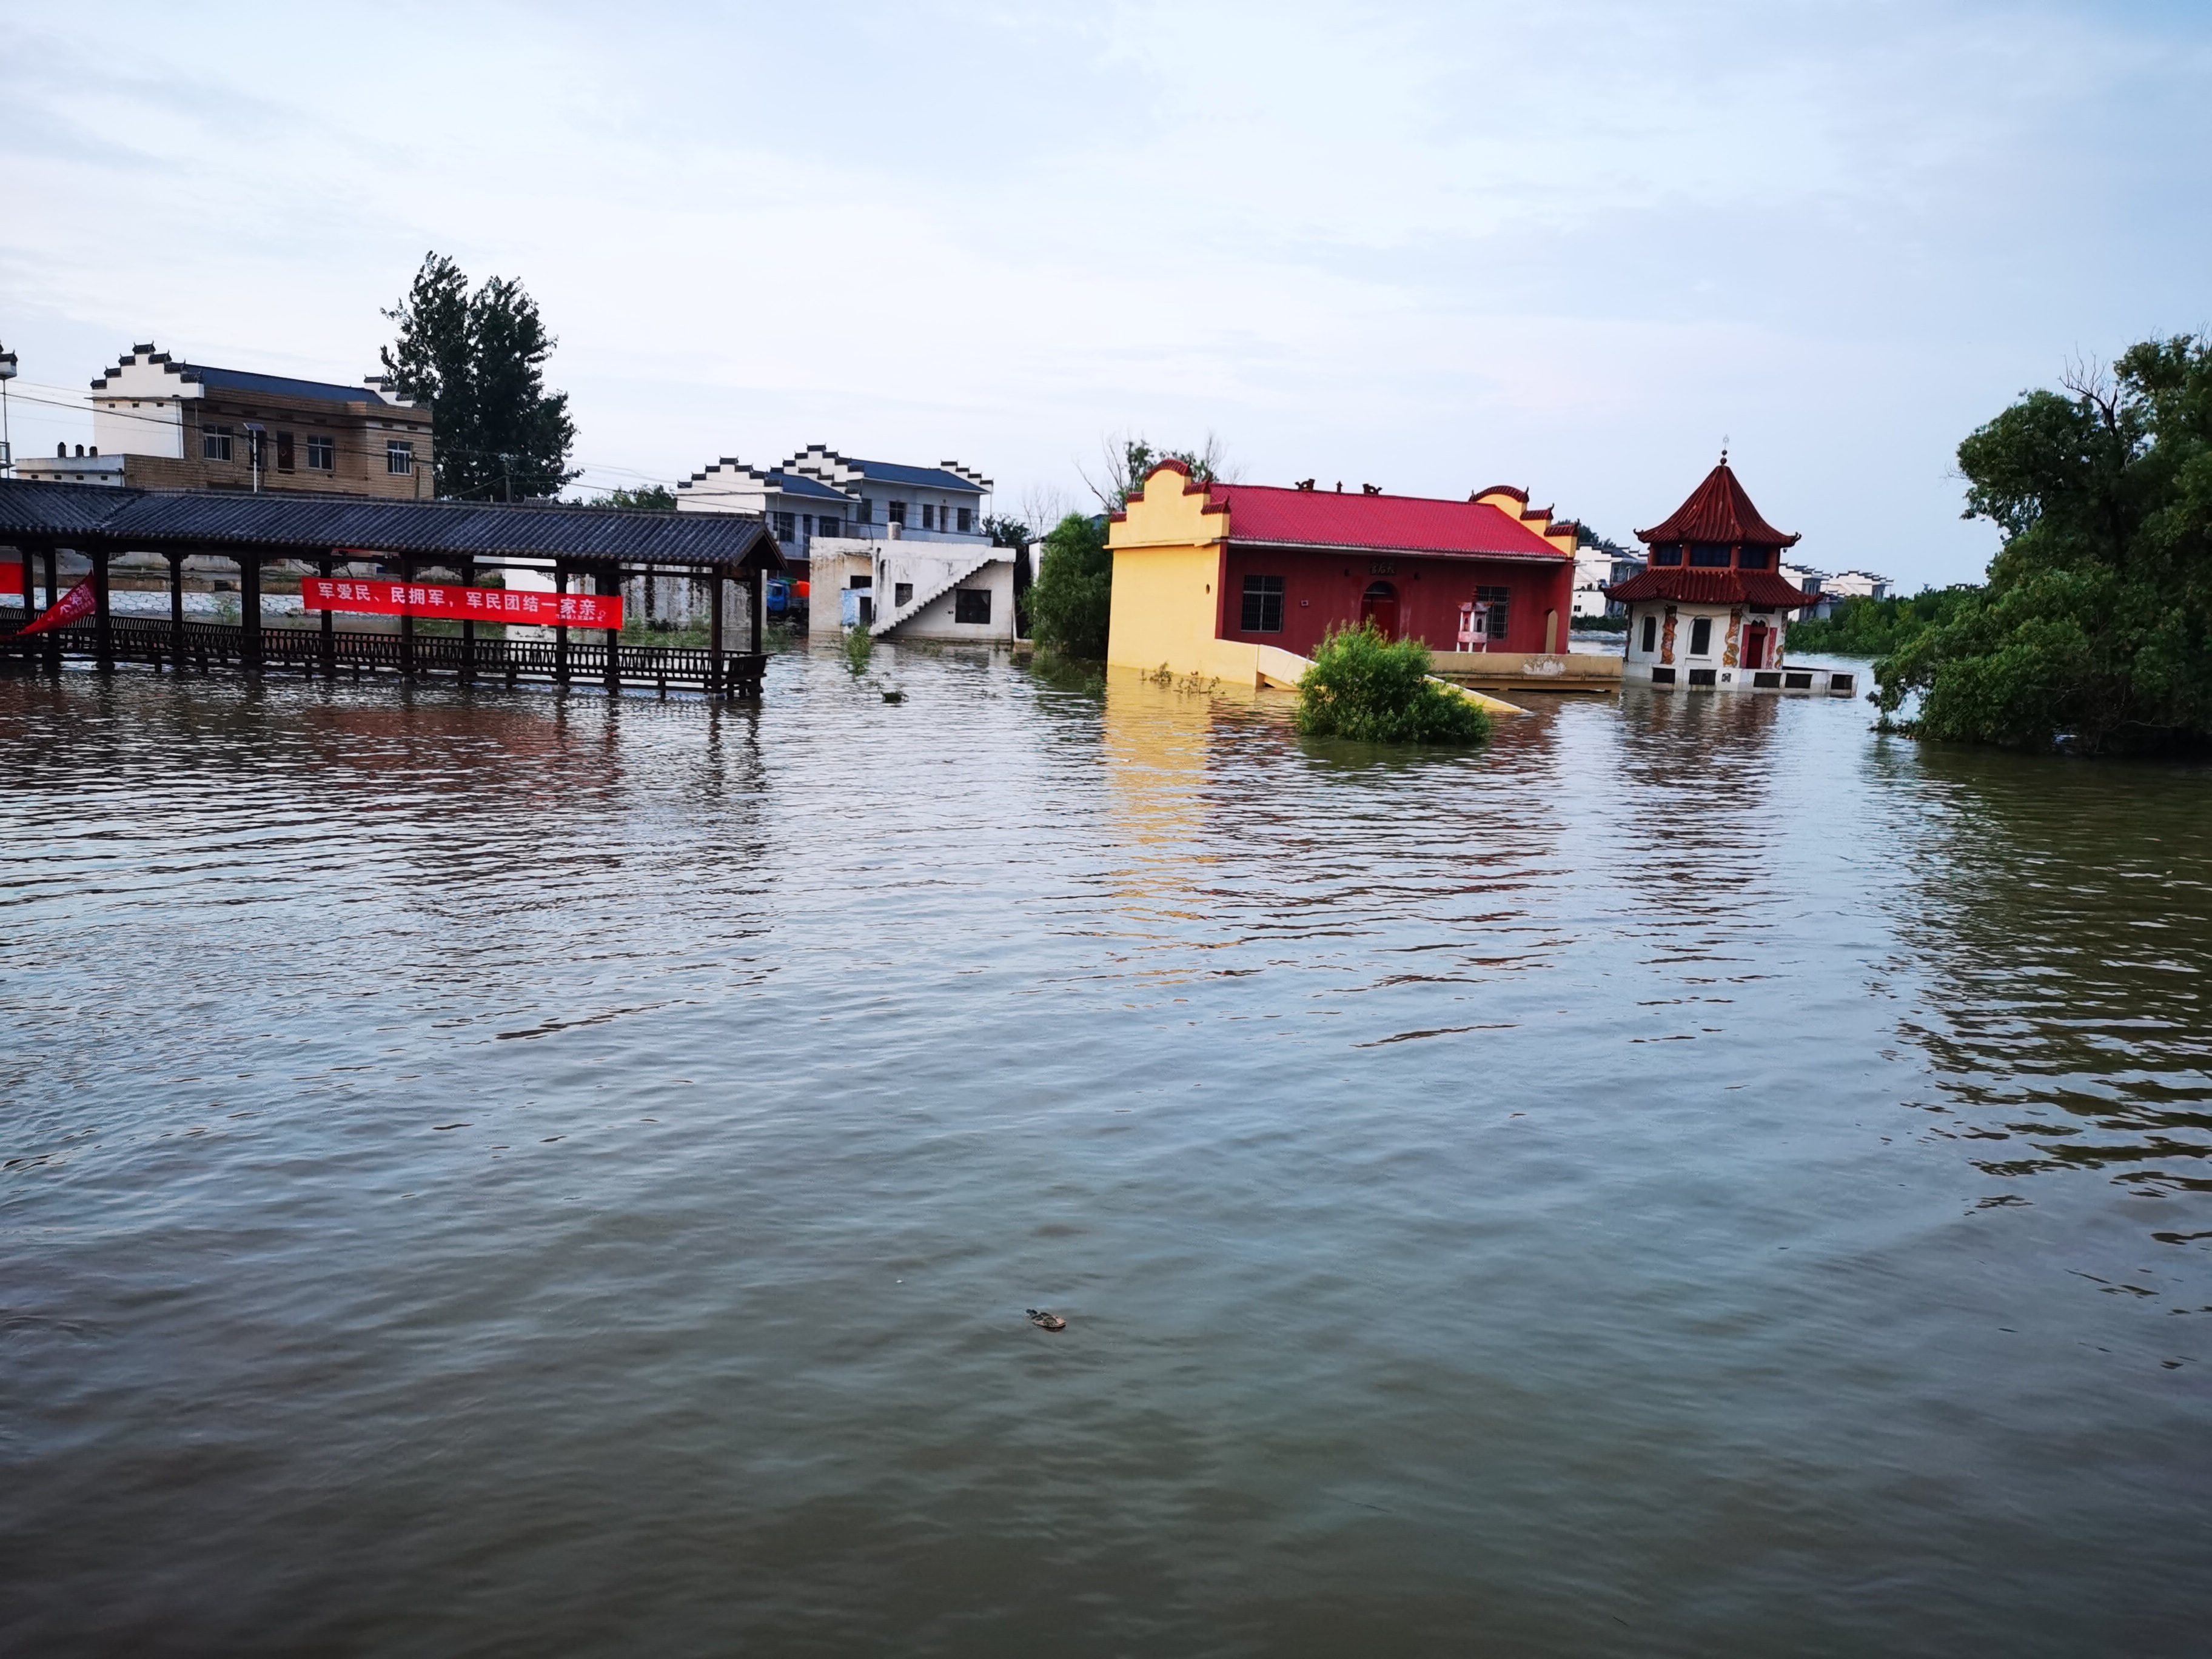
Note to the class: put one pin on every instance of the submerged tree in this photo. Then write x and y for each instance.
(1372, 689)
(1072, 601)
(2096, 625)
(478, 360)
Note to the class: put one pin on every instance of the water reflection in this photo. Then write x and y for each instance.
(2062, 914)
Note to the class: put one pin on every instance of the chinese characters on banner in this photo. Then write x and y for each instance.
(390, 599)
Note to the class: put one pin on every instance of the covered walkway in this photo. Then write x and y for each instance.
(581, 550)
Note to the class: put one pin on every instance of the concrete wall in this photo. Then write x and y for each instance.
(935, 621)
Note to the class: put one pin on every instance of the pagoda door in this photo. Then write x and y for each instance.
(1379, 605)
(1755, 639)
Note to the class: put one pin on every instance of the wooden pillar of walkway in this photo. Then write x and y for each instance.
(407, 625)
(53, 663)
(249, 611)
(176, 562)
(608, 583)
(103, 622)
(468, 624)
(714, 682)
(756, 591)
(329, 625)
(560, 629)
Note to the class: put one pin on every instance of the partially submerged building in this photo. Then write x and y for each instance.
(1240, 581)
(1712, 607)
(899, 550)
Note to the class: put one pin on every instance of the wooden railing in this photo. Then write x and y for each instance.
(201, 647)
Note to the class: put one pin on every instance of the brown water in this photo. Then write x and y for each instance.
(490, 1175)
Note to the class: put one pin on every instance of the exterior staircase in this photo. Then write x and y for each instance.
(924, 596)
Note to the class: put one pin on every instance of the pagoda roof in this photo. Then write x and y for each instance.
(1692, 585)
(1719, 510)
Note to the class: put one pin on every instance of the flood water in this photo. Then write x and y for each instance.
(501, 1176)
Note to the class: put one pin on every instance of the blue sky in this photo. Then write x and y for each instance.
(1431, 247)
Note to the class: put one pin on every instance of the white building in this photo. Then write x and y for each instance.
(1858, 585)
(899, 550)
(1596, 569)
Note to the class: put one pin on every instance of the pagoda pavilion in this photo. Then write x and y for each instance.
(1710, 607)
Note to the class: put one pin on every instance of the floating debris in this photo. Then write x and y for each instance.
(1046, 1320)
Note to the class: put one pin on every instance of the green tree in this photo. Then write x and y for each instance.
(1129, 461)
(1366, 686)
(2095, 625)
(478, 360)
(1861, 627)
(647, 498)
(1072, 601)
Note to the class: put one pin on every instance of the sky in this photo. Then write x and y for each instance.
(1572, 248)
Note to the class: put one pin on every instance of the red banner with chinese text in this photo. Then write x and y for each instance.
(76, 605)
(380, 597)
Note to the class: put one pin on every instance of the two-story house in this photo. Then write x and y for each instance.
(164, 424)
(899, 550)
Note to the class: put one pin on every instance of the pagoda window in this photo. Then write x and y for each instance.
(1651, 635)
(1666, 556)
(1709, 556)
(1752, 558)
(1701, 637)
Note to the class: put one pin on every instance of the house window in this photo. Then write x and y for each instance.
(971, 604)
(284, 452)
(1500, 601)
(1752, 558)
(786, 527)
(902, 593)
(826, 526)
(398, 458)
(867, 515)
(895, 512)
(1666, 556)
(322, 454)
(967, 519)
(1263, 606)
(1709, 556)
(214, 443)
(1651, 635)
(929, 516)
(1701, 637)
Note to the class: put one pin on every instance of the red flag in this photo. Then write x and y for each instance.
(76, 605)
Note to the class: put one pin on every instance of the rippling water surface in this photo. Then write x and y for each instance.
(499, 1175)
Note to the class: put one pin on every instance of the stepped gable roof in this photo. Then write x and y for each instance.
(1387, 524)
(241, 379)
(1699, 586)
(294, 525)
(916, 478)
(1718, 510)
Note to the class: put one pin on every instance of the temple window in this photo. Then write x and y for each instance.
(1709, 556)
(1752, 558)
(1500, 601)
(1263, 606)
(1651, 635)
(1666, 556)
(1701, 637)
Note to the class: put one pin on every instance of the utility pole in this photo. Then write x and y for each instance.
(7, 438)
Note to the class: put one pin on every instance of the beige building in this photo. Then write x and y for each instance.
(158, 423)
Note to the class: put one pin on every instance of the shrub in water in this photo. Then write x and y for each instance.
(1374, 689)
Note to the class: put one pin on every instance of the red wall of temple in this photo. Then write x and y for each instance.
(1320, 589)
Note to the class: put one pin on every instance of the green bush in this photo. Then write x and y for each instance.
(1072, 601)
(1877, 628)
(1374, 689)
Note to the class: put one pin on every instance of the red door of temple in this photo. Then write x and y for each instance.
(1379, 605)
(1754, 646)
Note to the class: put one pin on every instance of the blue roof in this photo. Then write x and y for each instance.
(919, 478)
(795, 484)
(238, 380)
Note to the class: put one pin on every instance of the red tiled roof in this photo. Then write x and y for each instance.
(1397, 524)
(1696, 586)
(1718, 510)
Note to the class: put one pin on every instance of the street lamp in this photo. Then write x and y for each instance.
(7, 445)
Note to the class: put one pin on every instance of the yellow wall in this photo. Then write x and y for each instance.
(1168, 556)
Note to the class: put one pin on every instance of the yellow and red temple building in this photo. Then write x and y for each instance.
(1234, 580)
